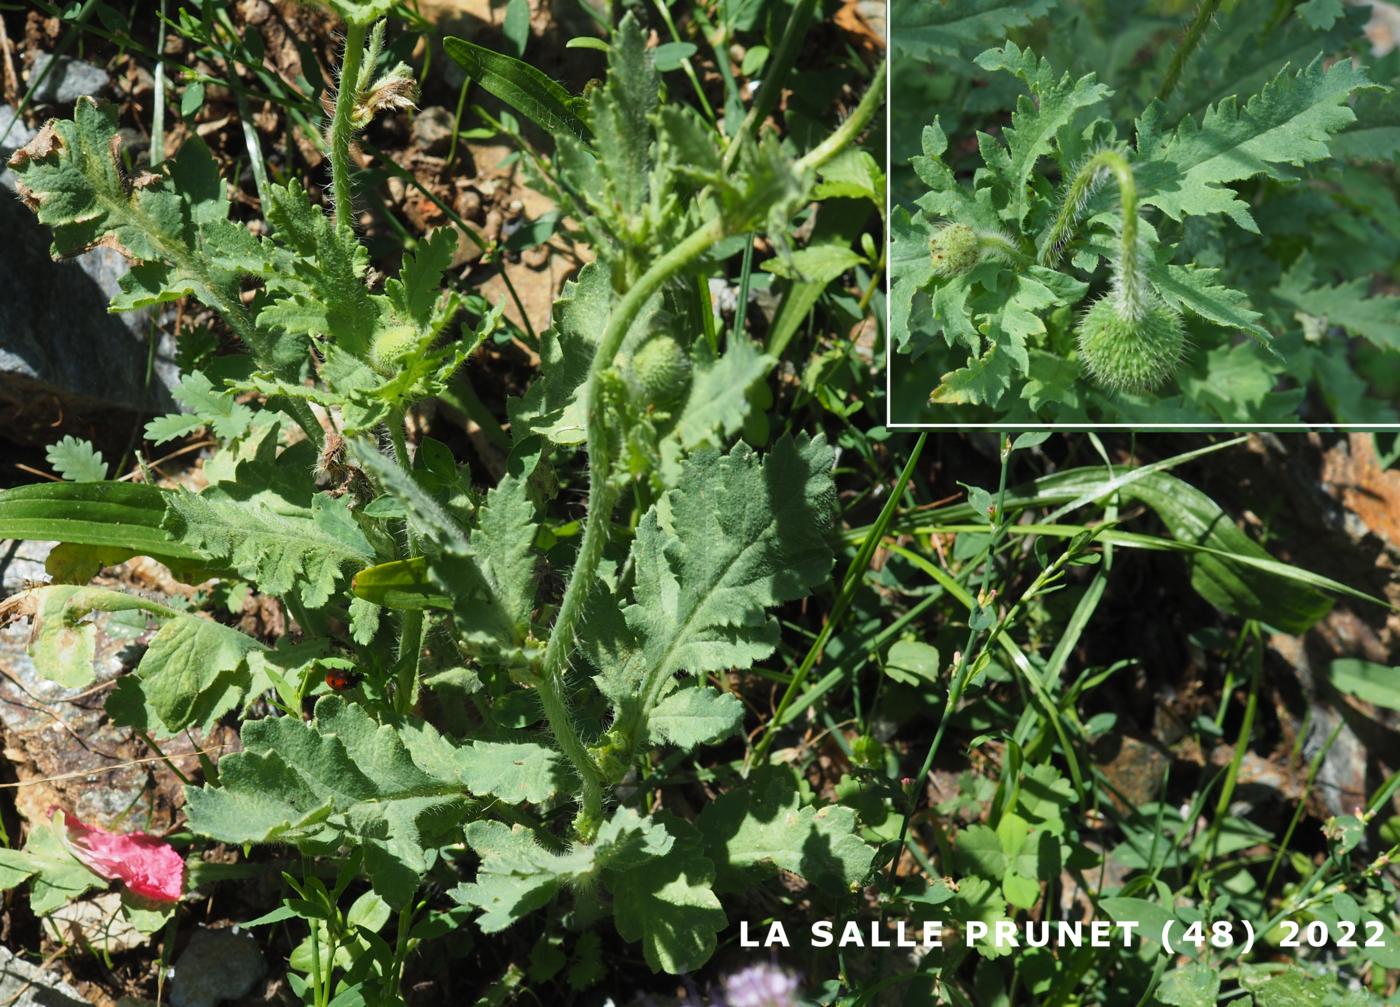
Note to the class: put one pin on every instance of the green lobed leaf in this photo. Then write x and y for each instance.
(342, 778)
(516, 875)
(555, 405)
(58, 877)
(513, 772)
(267, 525)
(1196, 288)
(1052, 105)
(1192, 985)
(667, 903)
(173, 226)
(622, 110)
(1289, 123)
(1347, 305)
(696, 716)
(76, 460)
(738, 534)
(762, 824)
(503, 542)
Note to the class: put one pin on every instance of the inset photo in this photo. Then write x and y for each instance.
(1149, 213)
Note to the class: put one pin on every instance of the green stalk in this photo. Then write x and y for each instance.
(411, 623)
(851, 128)
(602, 496)
(1128, 291)
(779, 62)
(342, 128)
(1188, 45)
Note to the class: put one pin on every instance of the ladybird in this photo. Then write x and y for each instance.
(341, 679)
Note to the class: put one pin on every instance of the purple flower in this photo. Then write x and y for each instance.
(760, 986)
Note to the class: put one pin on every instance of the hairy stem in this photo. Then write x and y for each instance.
(411, 622)
(342, 128)
(1188, 45)
(851, 128)
(602, 494)
(1128, 290)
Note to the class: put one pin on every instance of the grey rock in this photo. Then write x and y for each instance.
(14, 134)
(22, 565)
(62, 80)
(26, 985)
(63, 356)
(432, 129)
(216, 966)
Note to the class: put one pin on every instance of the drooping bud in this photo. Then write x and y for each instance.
(1131, 355)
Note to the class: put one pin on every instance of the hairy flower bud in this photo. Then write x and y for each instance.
(1127, 354)
(954, 250)
(661, 372)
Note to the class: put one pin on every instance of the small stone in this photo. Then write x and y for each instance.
(97, 923)
(432, 129)
(26, 985)
(66, 80)
(22, 565)
(14, 134)
(216, 966)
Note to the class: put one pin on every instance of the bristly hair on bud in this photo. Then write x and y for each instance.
(1133, 355)
(956, 248)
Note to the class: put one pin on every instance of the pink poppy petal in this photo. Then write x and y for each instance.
(148, 866)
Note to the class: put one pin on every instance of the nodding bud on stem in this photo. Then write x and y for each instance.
(1129, 339)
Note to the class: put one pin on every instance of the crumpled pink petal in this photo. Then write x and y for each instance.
(149, 867)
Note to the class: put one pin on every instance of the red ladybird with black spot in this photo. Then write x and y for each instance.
(340, 679)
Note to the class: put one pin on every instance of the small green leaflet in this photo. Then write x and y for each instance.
(76, 460)
(228, 418)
